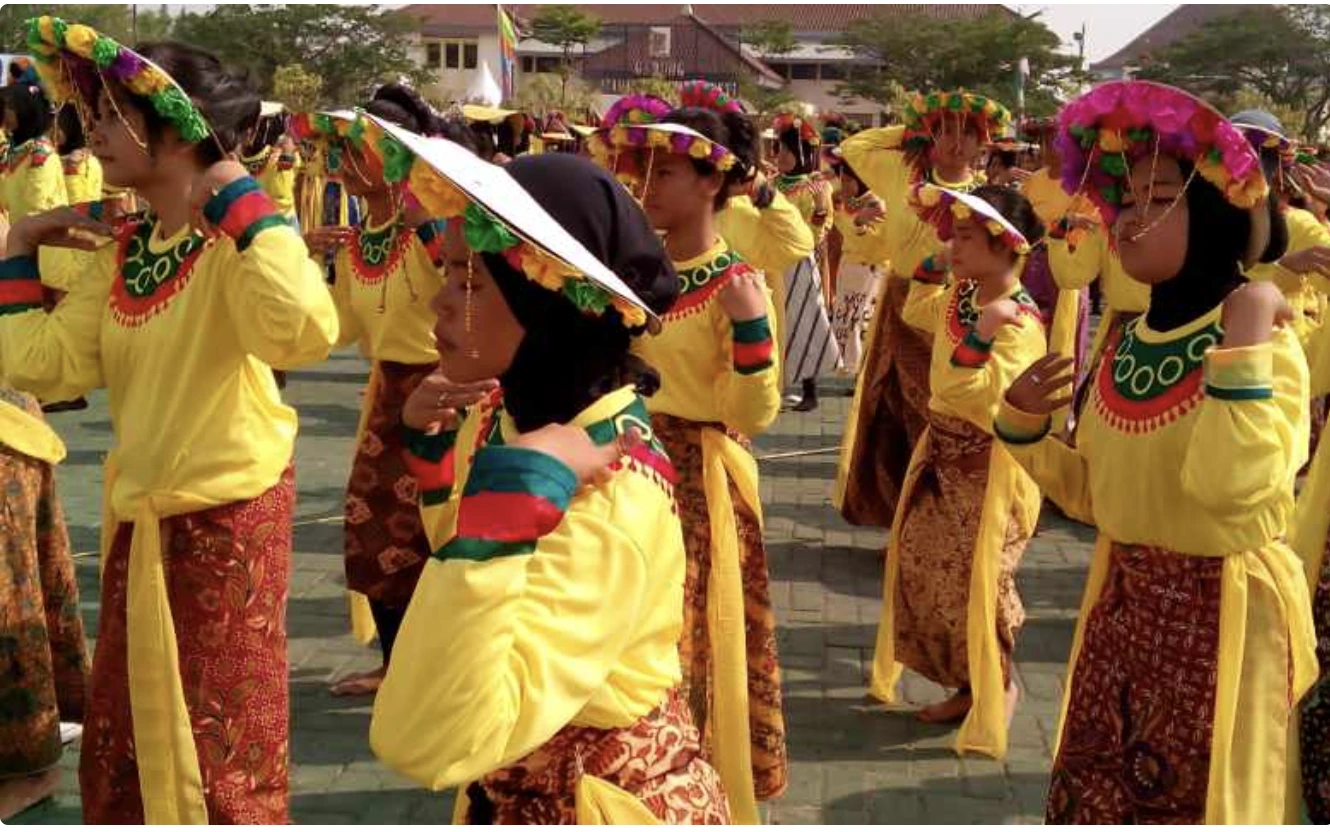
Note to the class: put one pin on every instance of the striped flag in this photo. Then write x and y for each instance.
(507, 53)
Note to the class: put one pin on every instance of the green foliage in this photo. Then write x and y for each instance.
(770, 37)
(763, 102)
(918, 51)
(1276, 58)
(657, 86)
(350, 48)
(298, 89)
(564, 26)
(544, 91)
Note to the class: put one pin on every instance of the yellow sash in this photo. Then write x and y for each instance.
(724, 460)
(598, 803)
(1243, 787)
(29, 434)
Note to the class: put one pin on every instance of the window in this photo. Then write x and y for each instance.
(780, 68)
(833, 72)
(547, 64)
(452, 54)
(451, 50)
(528, 63)
(433, 55)
(470, 53)
(803, 72)
(659, 42)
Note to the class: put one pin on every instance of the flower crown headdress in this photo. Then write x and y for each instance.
(924, 115)
(943, 208)
(74, 62)
(793, 121)
(497, 216)
(1110, 128)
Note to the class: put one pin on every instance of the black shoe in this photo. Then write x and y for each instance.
(809, 401)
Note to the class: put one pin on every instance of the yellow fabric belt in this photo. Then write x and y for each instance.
(1246, 785)
(29, 434)
(723, 461)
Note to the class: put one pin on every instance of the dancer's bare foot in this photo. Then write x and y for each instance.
(952, 710)
(1013, 696)
(365, 683)
(21, 793)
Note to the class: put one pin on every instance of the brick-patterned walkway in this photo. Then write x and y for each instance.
(851, 762)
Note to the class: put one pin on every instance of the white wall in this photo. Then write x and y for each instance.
(450, 85)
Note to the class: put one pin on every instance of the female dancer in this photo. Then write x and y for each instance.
(950, 609)
(863, 263)
(1194, 641)
(83, 173)
(385, 274)
(939, 143)
(553, 688)
(187, 706)
(270, 156)
(33, 180)
(719, 386)
(811, 348)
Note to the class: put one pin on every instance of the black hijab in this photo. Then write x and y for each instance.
(568, 359)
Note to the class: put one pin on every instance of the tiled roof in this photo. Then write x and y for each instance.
(803, 17)
(1173, 27)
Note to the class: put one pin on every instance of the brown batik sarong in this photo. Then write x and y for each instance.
(683, 442)
(939, 543)
(227, 575)
(1315, 738)
(893, 410)
(657, 759)
(43, 661)
(1140, 719)
(386, 546)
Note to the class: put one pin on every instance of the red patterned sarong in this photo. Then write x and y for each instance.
(657, 759)
(1140, 721)
(386, 547)
(893, 410)
(683, 442)
(227, 573)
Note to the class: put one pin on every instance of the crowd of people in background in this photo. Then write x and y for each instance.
(574, 334)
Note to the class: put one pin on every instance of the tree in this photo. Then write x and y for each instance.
(350, 48)
(566, 27)
(298, 89)
(770, 37)
(919, 51)
(544, 91)
(763, 101)
(660, 87)
(1275, 57)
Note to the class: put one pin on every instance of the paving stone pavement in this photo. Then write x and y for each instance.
(850, 762)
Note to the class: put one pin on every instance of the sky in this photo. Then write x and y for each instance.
(1108, 26)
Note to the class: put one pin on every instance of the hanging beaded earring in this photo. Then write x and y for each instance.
(469, 313)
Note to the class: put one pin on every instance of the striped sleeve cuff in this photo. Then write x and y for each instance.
(431, 236)
(753, 347)
(430, 459)
(513, 497)
(1241, 373)
(20, 285)
(972, 351)
(1016, 427)
(928, 271)
(243, 211)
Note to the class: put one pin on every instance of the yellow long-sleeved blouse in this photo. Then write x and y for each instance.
(811, 194)
(1193, 448)
(1075, 267)
(773, 239)
(866, 244)
(569, 614)
(181, 330)
(1305, 292)
(968, 376)
(33, 180)
(1311, 518)
(276, 168)
(713, 369)
(386, 278)
(878, 159)
(83, 177)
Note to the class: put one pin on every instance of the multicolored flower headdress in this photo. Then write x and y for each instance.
(498, 216)
(708, 96)
(1037, 130)
(925, 114)
(793, 121)
(338, 130)
(942, 208)
(1107, 130)
(75, 61)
